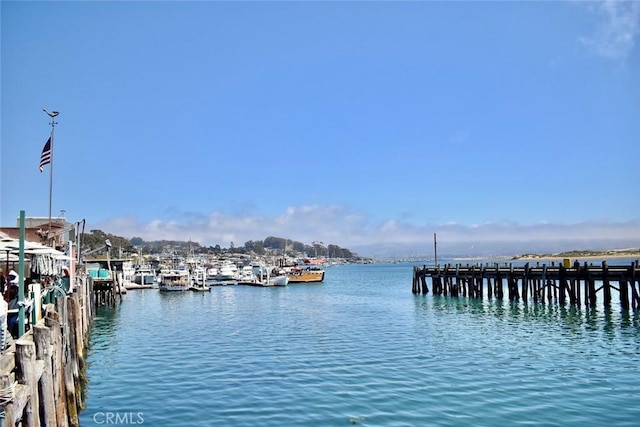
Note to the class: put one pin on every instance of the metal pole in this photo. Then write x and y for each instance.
(21, 328)
(53, 124)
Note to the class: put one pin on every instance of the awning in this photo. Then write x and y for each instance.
(13, 246)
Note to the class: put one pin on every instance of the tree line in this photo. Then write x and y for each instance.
(96, 238)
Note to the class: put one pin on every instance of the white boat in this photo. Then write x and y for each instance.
(174, 280)
(199, 276)
(281, 280)
(276, 277)
(246, 276)
(144, 276)
(227, 271)
(259, 275)
(212, 273)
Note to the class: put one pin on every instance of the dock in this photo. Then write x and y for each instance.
(562, 282)
(42, 371)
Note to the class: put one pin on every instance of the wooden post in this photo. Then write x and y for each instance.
(576, 267)
(425, 288)
(592, 286)
(525, 284)
(44, 352)
(563, 284)
(26, 374)
(435, 250)
(635, 297)
(445, 280)
(624, 294)
(71, 364)
(498, 282)
(53, 322)
(606, 285)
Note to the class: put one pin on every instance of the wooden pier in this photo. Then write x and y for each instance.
(41, 373)
(562, 282)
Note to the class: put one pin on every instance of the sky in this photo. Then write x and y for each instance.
(498, 126)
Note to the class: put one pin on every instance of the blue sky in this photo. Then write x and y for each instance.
(362, 124)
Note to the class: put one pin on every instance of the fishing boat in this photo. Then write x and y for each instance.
(174, 280)
(305, 275)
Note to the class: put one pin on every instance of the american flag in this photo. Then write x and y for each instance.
(45, 157)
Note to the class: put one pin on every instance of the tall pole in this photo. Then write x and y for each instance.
(21, 326)
(435, 250)
(53, 124)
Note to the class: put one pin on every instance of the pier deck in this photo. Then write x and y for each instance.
(560, 282)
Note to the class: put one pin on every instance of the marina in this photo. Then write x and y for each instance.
(361, 350)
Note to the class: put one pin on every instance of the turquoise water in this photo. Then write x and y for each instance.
(359, 349)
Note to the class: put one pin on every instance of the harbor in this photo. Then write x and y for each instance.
(359, 350)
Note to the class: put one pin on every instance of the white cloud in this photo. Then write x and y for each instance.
(337, 225)
(618, 30)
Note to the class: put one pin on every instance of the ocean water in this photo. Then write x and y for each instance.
(359, 349)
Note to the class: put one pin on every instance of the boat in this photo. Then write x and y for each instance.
(259, 275)
(199, 276)
(227, 271)
(174, 280)
(281, 280)
(144, 276)
(200, 288)
(277, 277)
(305, 274)
(247, 275)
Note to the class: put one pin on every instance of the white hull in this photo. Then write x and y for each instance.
(173, 288)
(278, 281)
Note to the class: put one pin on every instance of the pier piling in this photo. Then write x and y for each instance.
(562, 282)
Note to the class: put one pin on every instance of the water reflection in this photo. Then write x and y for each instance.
(607, 319)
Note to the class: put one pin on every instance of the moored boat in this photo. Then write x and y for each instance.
(227, 271)
(282, 280)
(144, 276)
(174, 280)
(305, 275)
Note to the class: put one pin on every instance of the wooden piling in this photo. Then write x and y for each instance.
(44, 352)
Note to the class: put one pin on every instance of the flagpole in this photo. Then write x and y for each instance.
(53, 124)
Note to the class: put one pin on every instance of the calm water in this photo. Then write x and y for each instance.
(359, 349)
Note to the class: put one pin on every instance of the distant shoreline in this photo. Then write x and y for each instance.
(573, 257)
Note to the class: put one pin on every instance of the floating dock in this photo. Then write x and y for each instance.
(559, 282)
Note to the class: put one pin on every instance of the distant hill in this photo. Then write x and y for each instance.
(271, 244)
(614, 253)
